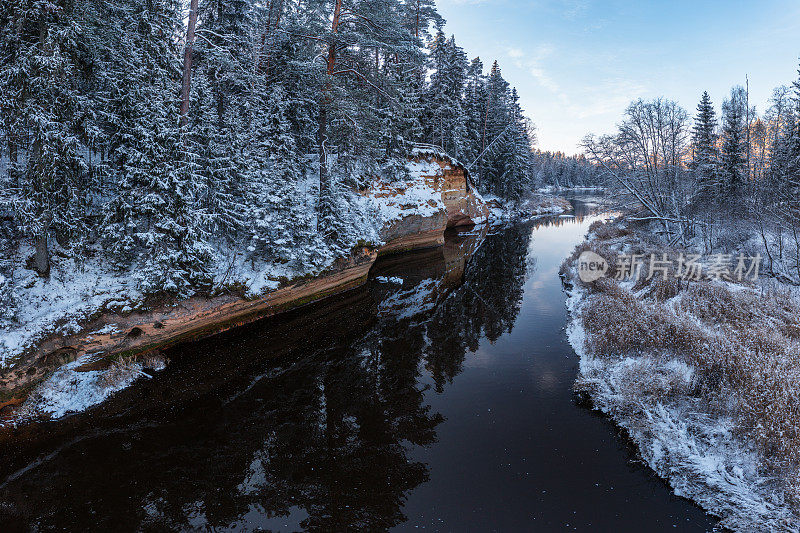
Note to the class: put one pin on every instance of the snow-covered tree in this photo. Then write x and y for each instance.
(444, 119)
(733, 154)
(279, 221)
(516, 153)
(152, 222)
(475, 99)
(46, 78)
(704, 148)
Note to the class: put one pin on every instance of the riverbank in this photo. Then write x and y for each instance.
(702, 375)
(107, 347)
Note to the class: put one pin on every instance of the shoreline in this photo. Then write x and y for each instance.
(638, 368)
(139, 333)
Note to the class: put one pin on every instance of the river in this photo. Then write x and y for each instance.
(436, 397)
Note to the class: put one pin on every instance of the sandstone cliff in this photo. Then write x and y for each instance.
(417, 208)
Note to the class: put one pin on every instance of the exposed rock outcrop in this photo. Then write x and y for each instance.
(437, 194)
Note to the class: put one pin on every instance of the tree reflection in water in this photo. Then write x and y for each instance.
(300, 422)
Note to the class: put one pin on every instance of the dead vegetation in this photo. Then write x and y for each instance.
(741, 342)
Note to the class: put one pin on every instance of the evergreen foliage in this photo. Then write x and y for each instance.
(100, 163)
(704, 148)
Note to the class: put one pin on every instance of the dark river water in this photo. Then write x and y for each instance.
(437, 397)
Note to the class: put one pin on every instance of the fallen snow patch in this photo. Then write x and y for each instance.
(394, 279)
(70, 390)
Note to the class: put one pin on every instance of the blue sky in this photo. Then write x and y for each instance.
(578, 63)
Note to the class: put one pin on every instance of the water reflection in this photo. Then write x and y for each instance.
(302, 422)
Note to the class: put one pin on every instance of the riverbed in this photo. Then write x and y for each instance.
(438, 396)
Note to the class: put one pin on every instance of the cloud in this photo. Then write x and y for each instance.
(608, 95)
(575, 8)
(532, 63)
(544, 79)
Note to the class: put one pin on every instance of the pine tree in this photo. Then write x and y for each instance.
(705, 153)
(419, 15)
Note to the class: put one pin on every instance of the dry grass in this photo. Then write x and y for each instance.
(744, 346)
(124, 370)
(120, 372)
(604, 232)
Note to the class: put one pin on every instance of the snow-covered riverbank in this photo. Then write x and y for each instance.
(701, 375)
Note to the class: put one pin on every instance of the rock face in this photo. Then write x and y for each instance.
(436, 195)
(463, 203)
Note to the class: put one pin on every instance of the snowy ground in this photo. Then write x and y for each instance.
(78, 290)
(695, 442)
(71, 390)
(391, 201)
(537, 205)
(552, 189)
(59, 304)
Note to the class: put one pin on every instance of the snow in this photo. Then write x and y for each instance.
(428, 150)
(393, 279)
(412, 302)
(69, 390)
(501, 211)
(59, 304)
(77, 290)
(393, 201)
(698, 452)
(106, 330)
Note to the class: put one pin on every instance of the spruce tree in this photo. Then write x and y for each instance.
(221, 95)
(444, 117)
(497, 124)
(517, 153)
(704, 145)
(279, 226)
(152, 224)
(46, 79)
(475, 112)
(792, 151)
(733, 157)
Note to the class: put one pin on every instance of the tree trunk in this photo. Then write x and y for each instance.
(324, 177)
(416, 22)
(41, 257)
(187, 62)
